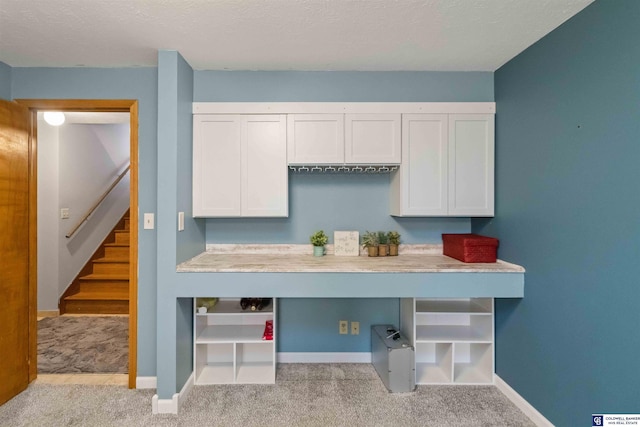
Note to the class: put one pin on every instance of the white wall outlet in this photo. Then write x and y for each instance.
(180, 221)
(355, 328)
(64, 213)
(149, 221)
(343, 327)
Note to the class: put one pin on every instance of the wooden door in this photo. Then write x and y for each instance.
(14, 249)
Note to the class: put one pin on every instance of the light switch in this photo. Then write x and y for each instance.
(64, 213)
(180, 221)
(149, 222)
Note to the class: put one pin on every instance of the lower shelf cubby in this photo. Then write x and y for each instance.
(255, 363)
(473, 363)
(214, 364)
(434, 363)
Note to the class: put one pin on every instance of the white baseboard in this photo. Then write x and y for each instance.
(339, 357)
(531, 412)
(146, 382)
(172, 406)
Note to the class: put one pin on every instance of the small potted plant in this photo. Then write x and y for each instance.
(383, 244)
(394, 241)
(370, 242)
(318, 240)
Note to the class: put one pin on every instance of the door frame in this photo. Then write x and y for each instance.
(89, 105)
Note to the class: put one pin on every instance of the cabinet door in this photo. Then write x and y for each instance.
(419, 187)
(372, 139)
(471, 164)
(216, 166)
(315, 139)
(264, 166)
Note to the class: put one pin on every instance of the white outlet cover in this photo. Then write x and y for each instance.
(180, 221)
(149, 221)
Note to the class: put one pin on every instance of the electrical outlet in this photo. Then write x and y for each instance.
(64, 213)
(355, 328)
(343, 327)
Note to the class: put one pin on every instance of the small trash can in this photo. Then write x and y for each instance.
(393, 358)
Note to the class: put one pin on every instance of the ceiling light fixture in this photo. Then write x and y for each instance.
(54, 118)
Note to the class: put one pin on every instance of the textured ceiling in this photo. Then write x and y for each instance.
(438, 35)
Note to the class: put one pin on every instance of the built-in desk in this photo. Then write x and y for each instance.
(291, 271)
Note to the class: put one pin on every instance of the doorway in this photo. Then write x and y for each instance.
(96, 106)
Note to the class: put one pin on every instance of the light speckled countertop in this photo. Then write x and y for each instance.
(299, 259)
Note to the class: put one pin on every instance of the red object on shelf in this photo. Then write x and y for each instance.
(268, 331)
(470, 247)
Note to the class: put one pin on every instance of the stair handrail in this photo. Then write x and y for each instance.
(96, 204)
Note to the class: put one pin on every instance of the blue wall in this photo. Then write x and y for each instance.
(5, 81)
(113, 83)
(568, 209)
(336, 202)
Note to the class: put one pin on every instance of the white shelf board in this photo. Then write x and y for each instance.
(256, 373)
(232, 334)
(227, 307)
(467, 373)
(451, 333)
(431, 373)
(216, 373)
(451, 306)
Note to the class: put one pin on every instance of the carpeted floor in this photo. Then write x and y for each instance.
(85, 344)
(304, 395)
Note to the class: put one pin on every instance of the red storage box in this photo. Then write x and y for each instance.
(470, 247)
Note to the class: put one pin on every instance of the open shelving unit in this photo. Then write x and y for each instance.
(229, 347)
(453, 339)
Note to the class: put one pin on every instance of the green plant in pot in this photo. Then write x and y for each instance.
(383, 244)
(370, 242)
(318, 240)
(394, 242)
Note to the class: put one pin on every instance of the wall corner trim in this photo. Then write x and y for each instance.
(531, 412)
(172, 406)
(321, 357)
(146, 382)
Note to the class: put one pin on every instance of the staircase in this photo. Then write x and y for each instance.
(102, 286)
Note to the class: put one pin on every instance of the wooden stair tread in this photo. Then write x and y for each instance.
(117, 245)
(112, 296)
(114, 260)
(94, 276)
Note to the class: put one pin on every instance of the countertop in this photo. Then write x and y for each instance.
(299, 259)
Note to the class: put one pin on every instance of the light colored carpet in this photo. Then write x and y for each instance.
(304, 395)
(86, 344)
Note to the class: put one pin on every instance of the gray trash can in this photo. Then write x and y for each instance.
(393, 358)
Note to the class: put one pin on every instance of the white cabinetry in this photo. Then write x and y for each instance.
(471, 164)
(334, 139)
(447, 166)
(372, 139)
(315, 139)
(419, 187)
(453, 339)
(239, 166)
(229, 347)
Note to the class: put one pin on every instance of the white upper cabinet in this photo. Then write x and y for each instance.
(315, 139)
(216, 165)
(471, 164)
(447, 166)
(372, 139)
(333, 139)
(239, 166)
(419, 187)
